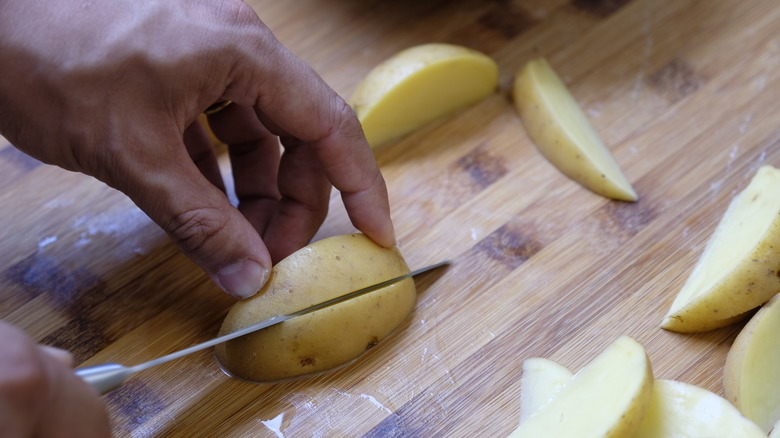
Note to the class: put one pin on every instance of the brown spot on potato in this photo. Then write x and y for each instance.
(600, 8)
(372, 343)
(676, 80)
(308, 361)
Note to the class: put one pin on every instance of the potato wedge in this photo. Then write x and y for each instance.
(751, 377)
(563, 134)
(607, 398)
(326, 338)
(541, 381)
(682, 410)
(676, 409)
(739, 269)
(419, 85)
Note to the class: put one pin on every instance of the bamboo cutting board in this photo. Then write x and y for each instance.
(685, 93)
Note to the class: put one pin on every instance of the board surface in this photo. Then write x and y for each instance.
(686, 94)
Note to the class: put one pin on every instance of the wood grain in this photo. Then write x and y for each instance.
(686, 95)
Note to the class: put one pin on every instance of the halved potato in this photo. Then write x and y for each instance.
(326, 338)
(563, 134)
(751, 378)
(607, 398)
(419, 85)
(541, 381)
(739, 269)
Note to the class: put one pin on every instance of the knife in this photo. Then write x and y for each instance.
(108, 376)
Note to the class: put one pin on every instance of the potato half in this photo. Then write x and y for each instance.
(739, 269)
(326, 338)
(419, 85)
(751, 378)
(563, 134)
(607, 398)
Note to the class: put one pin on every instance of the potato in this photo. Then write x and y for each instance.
(563, 134)
(419, 85)
(607, 398)
(326, 338)
(676, 409)
(541, 381)
(682, 410)
(751, 378)
(739, 269)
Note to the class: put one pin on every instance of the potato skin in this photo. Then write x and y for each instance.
(329, 337)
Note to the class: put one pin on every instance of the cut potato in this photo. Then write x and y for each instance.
(419, 85)
(607, 398)
(739, 268)
(676, 409)
(326, 338)
(751, 378)
(541, 381)
(682, 410)
(563, 134)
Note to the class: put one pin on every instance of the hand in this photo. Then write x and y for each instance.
(40, 396)
(114, 90)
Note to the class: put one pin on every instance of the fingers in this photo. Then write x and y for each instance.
(40, 394)
(169, 187)
(254, 157)
(304, 205)
(295, 102)
(202, 153)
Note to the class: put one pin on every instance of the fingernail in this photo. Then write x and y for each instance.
(242, 279)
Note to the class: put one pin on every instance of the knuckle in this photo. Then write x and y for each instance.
(194, 229)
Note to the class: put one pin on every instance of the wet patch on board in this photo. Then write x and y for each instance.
(38, 274)
(493, 28)
(482, 167)
(625, 219)
(137, 404)
(676, 80)
(509, 245)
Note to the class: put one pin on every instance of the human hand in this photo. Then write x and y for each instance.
(114, 90)
(40, 396)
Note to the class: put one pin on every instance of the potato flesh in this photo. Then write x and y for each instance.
(541, 381)
(751, 378)
(738, 270)
(562, 133)
(328, 337)
(607, 398)
(420, 85)
(681, 410)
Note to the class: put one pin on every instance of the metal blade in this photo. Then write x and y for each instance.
(106, 377)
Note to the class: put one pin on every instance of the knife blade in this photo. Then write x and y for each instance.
(108, 376)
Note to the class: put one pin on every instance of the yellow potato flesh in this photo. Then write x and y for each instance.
(681, 410)
(329, 337)
(563, 134)
(738, 270)
(541, 381)
(419, 85)
(607, 398)
(751, 378)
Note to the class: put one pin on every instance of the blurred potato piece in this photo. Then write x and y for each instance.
(419, 85)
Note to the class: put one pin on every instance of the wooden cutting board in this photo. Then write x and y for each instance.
(685, 93)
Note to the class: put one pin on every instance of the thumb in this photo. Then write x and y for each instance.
(201, 221)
